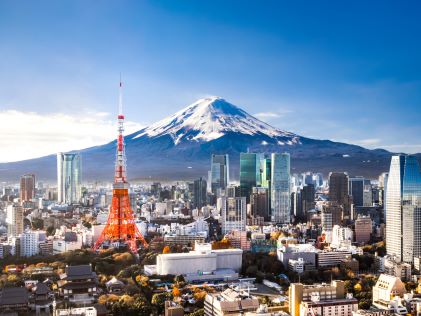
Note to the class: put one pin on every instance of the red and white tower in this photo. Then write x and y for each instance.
(121, 227)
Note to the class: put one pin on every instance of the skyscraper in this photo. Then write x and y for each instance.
(339, 192)
(27, 187)
(69, 178)
(250, 175)
(14, 220)
(260, 203)
(403, 209)
(280, 188)
(266, 172)
(296, 205)
(356, 189)
(199, 193)
(382, 190)
(219, 175)
(338, 187)
(233, 191)
(308, 194)
(368, 193)
(234, 214)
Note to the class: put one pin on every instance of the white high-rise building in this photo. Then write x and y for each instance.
(280, 188)
(69, 178)
(29, 243)
(341, 236)
(234, 214)
(403, 209)
(14, 220)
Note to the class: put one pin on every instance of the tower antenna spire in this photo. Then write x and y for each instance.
(120, 99)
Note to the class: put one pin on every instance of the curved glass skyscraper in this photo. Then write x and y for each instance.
(280, 188)
(403, 209)
(69, 178)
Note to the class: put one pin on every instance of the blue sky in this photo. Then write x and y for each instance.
(347, 71)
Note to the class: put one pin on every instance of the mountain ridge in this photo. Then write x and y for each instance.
(179, 147)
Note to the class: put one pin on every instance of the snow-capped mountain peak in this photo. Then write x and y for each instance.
(208, 119)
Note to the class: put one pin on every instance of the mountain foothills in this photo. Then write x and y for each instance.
(179, 147)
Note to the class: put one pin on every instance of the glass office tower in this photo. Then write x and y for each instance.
(266, 172)
(403, 209)
(250, 175)
(280, 188)
(356, 189)
(69, 178)
(199, 193)
(219, 175)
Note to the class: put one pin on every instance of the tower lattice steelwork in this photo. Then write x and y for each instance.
(121, 227)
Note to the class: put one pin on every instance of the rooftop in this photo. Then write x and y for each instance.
(78, 272)
(231, 301)
(13, 295)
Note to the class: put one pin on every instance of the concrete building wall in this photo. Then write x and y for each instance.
(185, 263)
(230, 258)
(205, 261)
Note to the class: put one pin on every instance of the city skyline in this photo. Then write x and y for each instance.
(210, 158)
(356, 83)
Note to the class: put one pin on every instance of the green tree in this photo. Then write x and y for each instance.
(199, 312)
(158, 300)
(364, 304)
(50, 230)
(37, 223)
(132, 306)
(179, 281)
(87, 224)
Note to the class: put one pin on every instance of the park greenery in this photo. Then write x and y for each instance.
(145, 295)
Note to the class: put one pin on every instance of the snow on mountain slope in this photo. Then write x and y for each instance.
(209, 119)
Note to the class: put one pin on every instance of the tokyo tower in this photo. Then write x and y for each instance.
(121, 228)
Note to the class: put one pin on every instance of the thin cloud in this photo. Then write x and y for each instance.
(265, 115)
(28, 135)
(368, 142)
(271, 115)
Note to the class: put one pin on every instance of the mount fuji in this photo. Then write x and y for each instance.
(179, 148)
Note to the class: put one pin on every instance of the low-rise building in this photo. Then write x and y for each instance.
(263, 245)
(238, 239)
(114, 286)
(67, 241)
(337, 307)
(331, 258)
(400, 270)
(173, 309)
(14, 300)
(78, 284)
(320, 299)
(202, 263)
(185, 240)
(296, 265)
(41, 298)
(287, 252)
(363, 229)
(229, 302)
(373, 311)
(386, 288)
(80, 311)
